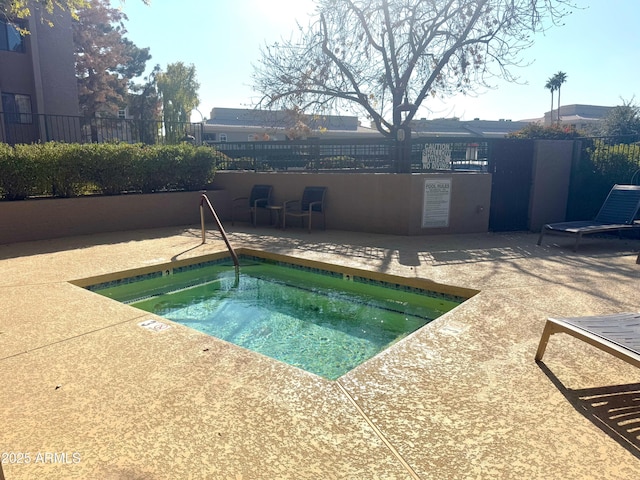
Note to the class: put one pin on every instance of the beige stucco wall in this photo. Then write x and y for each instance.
(550, 182)
(28, 220)
(377, 203)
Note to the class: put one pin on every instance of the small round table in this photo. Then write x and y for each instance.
(277, 209)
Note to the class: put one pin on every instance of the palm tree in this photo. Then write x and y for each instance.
(552, 87)
(558, 79)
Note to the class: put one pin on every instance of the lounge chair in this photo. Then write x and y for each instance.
(259, 198)
(618, 212)
(312, 202)
(618, 334)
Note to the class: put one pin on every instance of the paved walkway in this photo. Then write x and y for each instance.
(87, 393)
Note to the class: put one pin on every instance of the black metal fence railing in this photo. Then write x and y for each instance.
(34, 128)
(599, 163)
(621, 150)
(354, 154)
(377, 154)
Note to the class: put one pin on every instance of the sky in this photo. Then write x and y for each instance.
(598, 47)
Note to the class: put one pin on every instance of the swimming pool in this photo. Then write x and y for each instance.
(321, 318)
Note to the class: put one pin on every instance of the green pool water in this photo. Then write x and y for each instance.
(322, 322)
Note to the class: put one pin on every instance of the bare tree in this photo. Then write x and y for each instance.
(384, 58)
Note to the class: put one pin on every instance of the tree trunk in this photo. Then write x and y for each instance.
(558, 105)
(401, 138)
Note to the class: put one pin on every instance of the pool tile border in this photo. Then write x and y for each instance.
(409, 285)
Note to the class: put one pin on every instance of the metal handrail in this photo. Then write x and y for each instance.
(204, 199)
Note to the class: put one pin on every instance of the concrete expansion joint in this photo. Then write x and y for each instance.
(40, 347)
(379, 433)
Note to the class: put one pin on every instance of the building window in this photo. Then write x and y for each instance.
(122, 113)
(16, 108)
(10, 37)
(223, 137)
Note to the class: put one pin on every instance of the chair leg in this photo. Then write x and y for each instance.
(542, 232)
(578, 238)
(542, 346)
(310, 222)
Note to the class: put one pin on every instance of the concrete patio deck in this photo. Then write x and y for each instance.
(86, 393)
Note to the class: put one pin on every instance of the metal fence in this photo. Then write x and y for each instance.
(599, 163)
(363, 155)
(378, 154)
(621, 153)
(36, 128)
(356, 154)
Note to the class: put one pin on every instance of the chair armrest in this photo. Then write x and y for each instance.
(286, 204)
(311, 204)
(265, 199)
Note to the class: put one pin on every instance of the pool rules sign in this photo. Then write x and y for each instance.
(437, 203)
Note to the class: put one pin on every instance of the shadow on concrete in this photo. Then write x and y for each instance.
(39, 247)
(614, 409)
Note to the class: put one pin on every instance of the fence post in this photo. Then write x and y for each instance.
(315, 155)
(402, 150)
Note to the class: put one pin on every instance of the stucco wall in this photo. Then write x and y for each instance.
(550, 182)
(377, 203)
(29, 220)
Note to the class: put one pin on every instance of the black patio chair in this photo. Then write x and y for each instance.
(618, 212)
(258, 199)
(312, 202)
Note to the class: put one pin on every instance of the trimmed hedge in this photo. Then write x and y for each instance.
(68, 170)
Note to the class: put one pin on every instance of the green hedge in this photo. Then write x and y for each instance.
(68, 170)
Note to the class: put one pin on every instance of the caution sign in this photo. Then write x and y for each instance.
(436, 156)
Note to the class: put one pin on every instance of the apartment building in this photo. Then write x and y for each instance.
(37, 78)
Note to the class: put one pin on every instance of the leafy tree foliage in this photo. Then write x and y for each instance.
(622, 120)
(546, 132)
(22, 8)
(178, 88)
(106, 60)
(556, 81)
(145, 106)
(384, 58)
